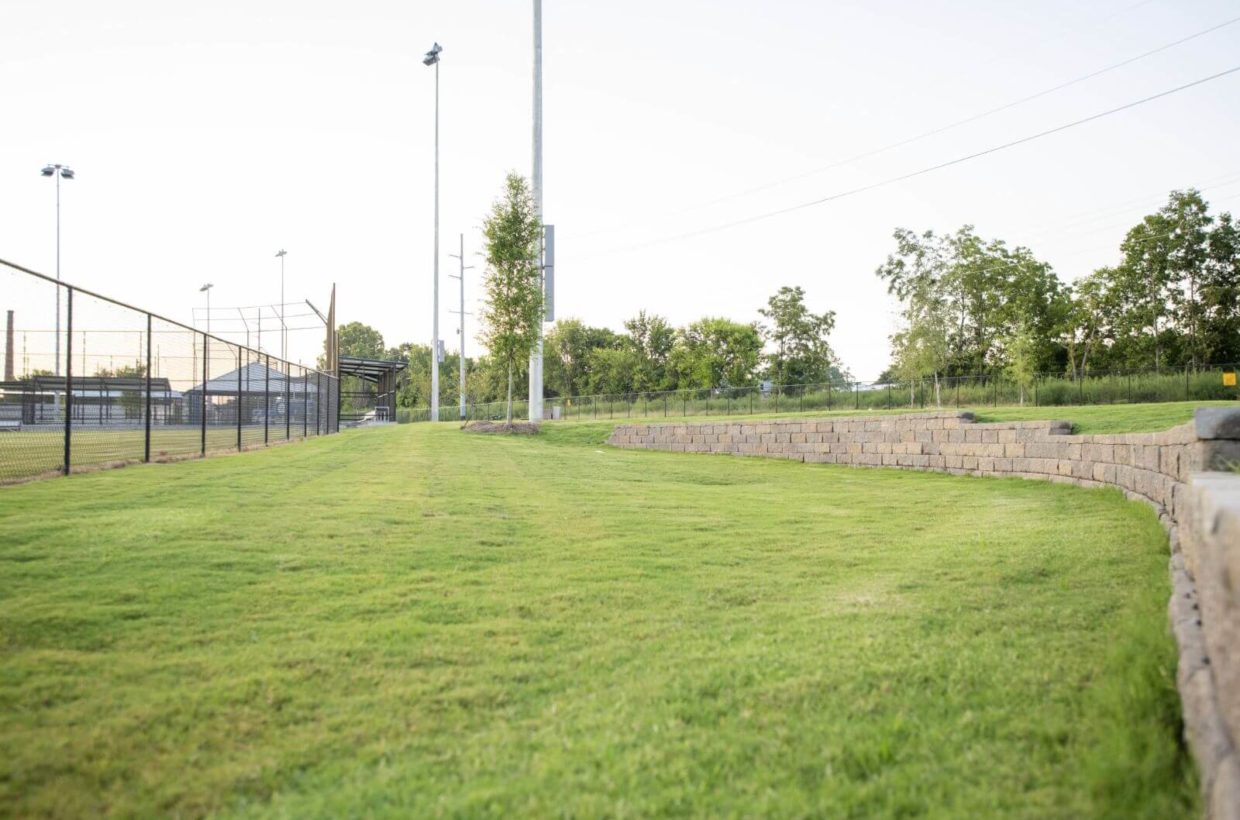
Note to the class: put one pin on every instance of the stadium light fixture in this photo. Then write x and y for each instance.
(60, 172)
(207, 290)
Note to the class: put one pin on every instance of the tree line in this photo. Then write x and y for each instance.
(969, 306)
(790, 346)
(973, 306)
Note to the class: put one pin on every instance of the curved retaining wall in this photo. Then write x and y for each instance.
(1180, 472)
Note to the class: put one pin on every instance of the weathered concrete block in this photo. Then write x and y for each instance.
(1213, 423)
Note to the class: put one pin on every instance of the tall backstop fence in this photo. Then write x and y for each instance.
(1202, 383)
(90, 381)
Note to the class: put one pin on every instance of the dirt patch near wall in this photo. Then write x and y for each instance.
(517, 428)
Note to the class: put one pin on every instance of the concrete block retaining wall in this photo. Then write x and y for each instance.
(1179, 471)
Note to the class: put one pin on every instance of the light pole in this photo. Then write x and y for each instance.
(60, 172)
(207, 290)
(280, 254)
(432, 58)
(536, 358)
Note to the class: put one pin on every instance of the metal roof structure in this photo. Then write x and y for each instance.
(370, 370)
(254, 378)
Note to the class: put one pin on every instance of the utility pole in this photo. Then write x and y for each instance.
(461, 277)
(536, 358)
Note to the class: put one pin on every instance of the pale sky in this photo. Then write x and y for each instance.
(206, 136)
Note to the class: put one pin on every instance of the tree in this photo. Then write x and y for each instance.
(1085, 325)
(613, 370)
(513, 313)
(567, 349)
(965, 300)
(716, 352)
(651, 339)
(1022, 358)
(1220, 293)
(802, 354)
(360, 341)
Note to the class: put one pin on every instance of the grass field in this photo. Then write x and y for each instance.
(36, 451)
(416, 621)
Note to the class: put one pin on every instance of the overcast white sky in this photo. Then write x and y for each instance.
(208, 135)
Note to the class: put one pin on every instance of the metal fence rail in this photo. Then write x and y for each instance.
(1206, 382)
(129, 385)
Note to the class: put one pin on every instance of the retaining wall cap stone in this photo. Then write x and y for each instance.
(1217, 422)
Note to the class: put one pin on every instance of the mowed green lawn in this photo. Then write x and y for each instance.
(415, 621)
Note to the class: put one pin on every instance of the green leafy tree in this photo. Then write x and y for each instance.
(1022, 358)
(512, 315)
(964, 299)
(1220, 293)
(802, 353)
(567, 350)
(651, 339)
(716, 352)
(613, 370)
(360, 341)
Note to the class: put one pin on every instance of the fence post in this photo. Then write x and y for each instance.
(1080, 389)
(801, 404)
(305, 404)
(828, 397)
(684, 404)
(1185, 382)
(69, 382)
(1035, 390)
(318, 403)
(958, 392)
(206, 349)
(337, 383)
(146, 447)
(1130, 387)
(664, 405)
(288, 401)
(888, 395)
(777, 398)
(267, 401)
(857, 394)
(239, 397)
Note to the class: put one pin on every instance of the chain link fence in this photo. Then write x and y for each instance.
(92, 382)
(1203, 383)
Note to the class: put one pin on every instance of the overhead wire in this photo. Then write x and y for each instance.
(920, 172)
(945, 128)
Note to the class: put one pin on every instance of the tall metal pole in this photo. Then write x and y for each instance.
(435, 307)
(536, 358)
(462, 356)
(461, 277)
(283, 325)
(58, 279)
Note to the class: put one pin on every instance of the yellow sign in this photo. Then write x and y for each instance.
(1229, 380)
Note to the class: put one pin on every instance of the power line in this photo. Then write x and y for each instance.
(950, 126)
(923, 171)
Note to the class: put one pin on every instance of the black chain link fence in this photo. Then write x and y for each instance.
(1202, 383)
(92, 382)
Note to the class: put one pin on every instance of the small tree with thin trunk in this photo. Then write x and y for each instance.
(513, 312)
